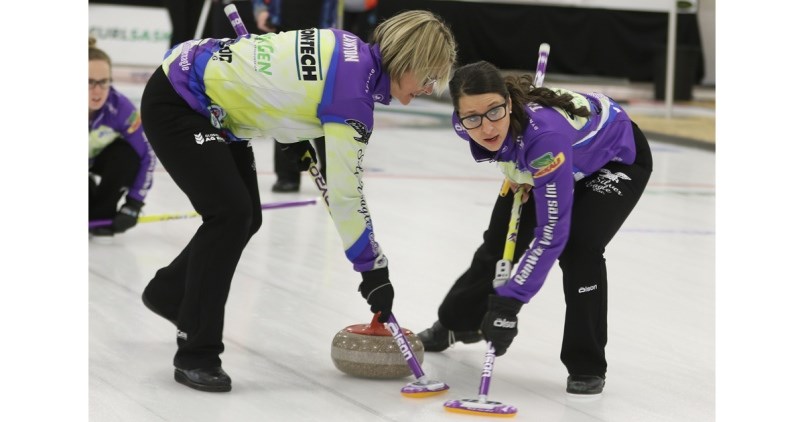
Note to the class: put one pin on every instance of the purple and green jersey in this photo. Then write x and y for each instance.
(118, 118)
(556, 150)
(295, 86)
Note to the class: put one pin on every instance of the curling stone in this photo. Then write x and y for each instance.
(370, 351)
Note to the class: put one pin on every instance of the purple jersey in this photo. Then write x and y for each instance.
(555, 150)
(118, 118)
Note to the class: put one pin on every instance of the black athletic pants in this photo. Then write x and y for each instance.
(600, 207)
(117, 166)
(220, 180)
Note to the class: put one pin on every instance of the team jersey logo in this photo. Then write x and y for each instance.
(547, 163)
(361, 130)
(307, 49)
(224, 52)
(202, 138)
(216, 115)
(133, 122)
(606, 181)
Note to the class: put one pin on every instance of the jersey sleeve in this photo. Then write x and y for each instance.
(345, 150)
(549, 159)
(130, 128)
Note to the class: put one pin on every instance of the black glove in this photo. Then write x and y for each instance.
(126, 217)
(301, 153)
(499, 325)
(376, 288)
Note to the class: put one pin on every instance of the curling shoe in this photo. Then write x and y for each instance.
(438, 338)
(205, 379)
(285, 187)
(585, 385)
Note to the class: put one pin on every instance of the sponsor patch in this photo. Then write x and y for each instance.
(307, 51)
(134, 122)
(216, 115)
(606, 182)
(202, 138)
(547, 163)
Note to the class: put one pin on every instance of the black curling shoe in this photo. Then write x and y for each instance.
(285, 187)
(204, 379)
(586, 385)
(438, 338)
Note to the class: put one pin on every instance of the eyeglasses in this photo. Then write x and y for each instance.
(102, 83)
(474, 121)
(429, 83)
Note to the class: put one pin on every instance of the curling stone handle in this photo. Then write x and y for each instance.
(376, 326)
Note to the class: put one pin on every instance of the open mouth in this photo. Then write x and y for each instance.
(492, 139)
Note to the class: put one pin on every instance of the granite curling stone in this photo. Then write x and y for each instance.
(372, 351)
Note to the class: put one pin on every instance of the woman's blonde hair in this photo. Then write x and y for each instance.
(417, 41)
(96, 53)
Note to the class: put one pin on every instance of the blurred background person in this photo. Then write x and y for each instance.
(121, 161)
(360, 17)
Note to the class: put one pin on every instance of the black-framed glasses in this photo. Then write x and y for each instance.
(474, 121)
(102, 83)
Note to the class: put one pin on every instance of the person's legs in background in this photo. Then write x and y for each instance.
(288, 171)
(117, 167)
(184, 16)
(288, 177)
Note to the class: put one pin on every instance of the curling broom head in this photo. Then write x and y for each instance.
(420, 389)
(476, 407)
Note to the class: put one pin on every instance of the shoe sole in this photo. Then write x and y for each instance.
(584, 397)
(182, 379)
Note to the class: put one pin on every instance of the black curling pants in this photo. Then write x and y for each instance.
(601, 204)
(117, 166)
(220, 180)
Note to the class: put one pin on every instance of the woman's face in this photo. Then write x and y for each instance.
(486, 118)
(100, 80)
(409, 87)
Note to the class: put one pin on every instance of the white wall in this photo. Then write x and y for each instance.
(131, 35)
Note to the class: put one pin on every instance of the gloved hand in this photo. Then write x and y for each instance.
(500, 323)
(376, 288)
(127, 215)
(301, 153)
